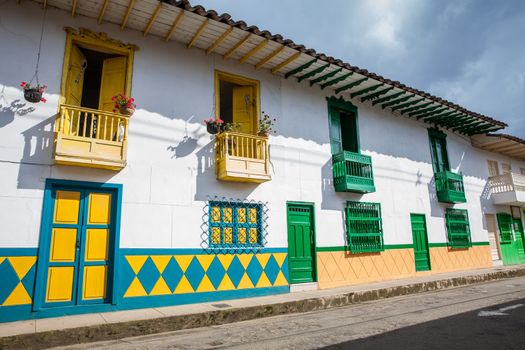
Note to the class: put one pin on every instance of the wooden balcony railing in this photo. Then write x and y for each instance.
(91, 138)
(449, 187)
(352, 172)
(510, 182)
(242, 157)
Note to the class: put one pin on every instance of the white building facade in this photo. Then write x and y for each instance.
(101, 212)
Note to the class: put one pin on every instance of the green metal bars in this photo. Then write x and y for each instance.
(449, 187)
(458, 228)
(352, 172)
(364, 227)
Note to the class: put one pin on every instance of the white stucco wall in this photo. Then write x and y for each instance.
(169, 173)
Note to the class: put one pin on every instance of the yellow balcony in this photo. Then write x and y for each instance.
(90, 138)
(242, 157)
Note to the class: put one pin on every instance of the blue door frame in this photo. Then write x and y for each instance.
(45, 227)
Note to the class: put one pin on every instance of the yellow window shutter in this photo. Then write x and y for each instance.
(244, 108)
(113, 81)
(75, 76)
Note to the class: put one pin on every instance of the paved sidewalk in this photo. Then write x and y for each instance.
(47, 332)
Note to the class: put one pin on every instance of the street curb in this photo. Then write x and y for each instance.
(114, 331)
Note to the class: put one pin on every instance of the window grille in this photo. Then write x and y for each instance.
(505, 227)
(234, 224)
(364, 227)
(458, 228)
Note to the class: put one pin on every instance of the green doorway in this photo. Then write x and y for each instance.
(301, 242)
(420, 239)
(511, 239)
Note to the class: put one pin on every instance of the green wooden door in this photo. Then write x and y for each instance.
(301, 246)
(420, 239)
(511, 239)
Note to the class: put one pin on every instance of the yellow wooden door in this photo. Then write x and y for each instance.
(244, 109)
(79, 245)
(74, 88)
(113, 81)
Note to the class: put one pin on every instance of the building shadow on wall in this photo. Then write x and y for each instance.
(207, 185)
(437, 209)
(8, 110)
(332, 200)
(38, 150)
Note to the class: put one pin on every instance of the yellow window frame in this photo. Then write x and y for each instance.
(239, 80)
(97, 42)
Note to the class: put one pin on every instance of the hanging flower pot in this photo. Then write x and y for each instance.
(213, 125)
(33, 94)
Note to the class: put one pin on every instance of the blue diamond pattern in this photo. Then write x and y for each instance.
(9, 280)
(148, 275)
(272, 269)
(235, 271)
(194, 273)
(284, 268)
(126, 274)
(29, 280)
(172, 274)
(216, 272)
(254, 270)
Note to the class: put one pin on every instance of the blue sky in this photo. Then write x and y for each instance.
(471, 52)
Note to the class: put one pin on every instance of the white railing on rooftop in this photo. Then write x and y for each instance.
(510, 182)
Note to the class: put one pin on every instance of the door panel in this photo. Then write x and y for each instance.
(301, 248)
(518, 234)
(493, 236)
(243, 108)
(420, 239)
(113, 81)
(79, 245)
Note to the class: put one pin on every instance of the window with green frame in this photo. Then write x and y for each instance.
(505, 227)
(344, 131)
(364, 227)
(235, 224)
(458, 228)
(438, 150)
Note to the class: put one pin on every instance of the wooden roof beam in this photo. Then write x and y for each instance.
(460, 120)
(174, 26)
(74, 8)
(44, 4)
(313, 72)
(126, 15)
(336, 80)
(286, 62)
(269, 57)
(376, 94)
(324, 77)
(351, 85)
(253, 51)
(388, 98)
(397, 101)
(236, 47)
(407, 104)
(366, 90)
(102, 11)
(219, 40)
(198, 33)
(433, 117)
(415, 108)
(300, 68)
(423, 114)
(467, 126)
(152, 18)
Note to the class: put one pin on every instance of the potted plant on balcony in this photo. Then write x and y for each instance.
(124, 105)
(213, 125)
(33, 93)
(266, 125)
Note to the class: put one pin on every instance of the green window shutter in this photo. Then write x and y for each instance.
(336, 141)
(364, 227)
(458, 228)
(505, 227)
(438, 149)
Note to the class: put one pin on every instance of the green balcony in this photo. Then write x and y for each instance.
(352, 172)
(449, 187)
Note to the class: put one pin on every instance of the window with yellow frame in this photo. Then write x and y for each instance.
(96, 68)
(237, 101)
